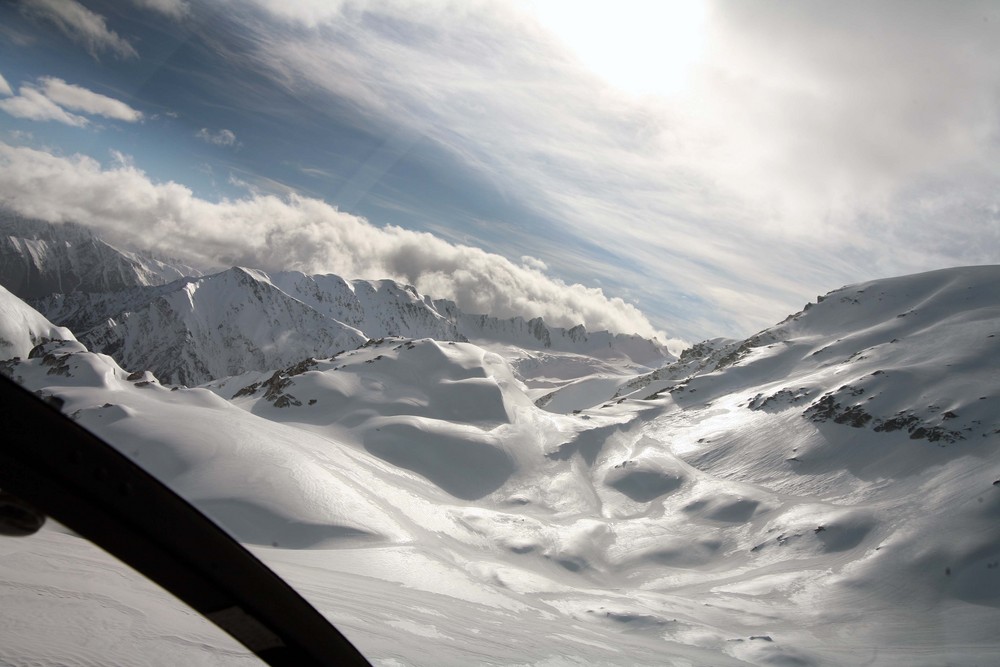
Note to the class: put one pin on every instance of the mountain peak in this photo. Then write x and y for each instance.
(39, 258)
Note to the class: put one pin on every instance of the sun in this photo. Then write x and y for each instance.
(643, 47)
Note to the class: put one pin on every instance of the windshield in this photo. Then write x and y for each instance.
(481, 323)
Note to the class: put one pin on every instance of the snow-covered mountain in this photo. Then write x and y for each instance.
(144, 312)
(199, 329)
(825, 492)
(39, 258)
(902, 353)
(194, 330)
(386, 308)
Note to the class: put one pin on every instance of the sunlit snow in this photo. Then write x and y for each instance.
(825, 492)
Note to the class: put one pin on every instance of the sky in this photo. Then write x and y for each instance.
(684, 170)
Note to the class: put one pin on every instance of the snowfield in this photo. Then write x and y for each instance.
(826, 492)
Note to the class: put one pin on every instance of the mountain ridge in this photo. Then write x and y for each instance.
(39, 258)
(114, 299)
(355, 311)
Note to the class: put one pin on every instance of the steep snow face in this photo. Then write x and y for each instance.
(378, 308)
(81, 282)
(386, 308)
(38, 259)
(199, 329)
(22, 327)
(755, 503)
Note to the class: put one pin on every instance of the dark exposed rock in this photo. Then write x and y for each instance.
(827, 408)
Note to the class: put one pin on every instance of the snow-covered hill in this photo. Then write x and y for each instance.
(888, 355)
(826, 492)
(39, 258)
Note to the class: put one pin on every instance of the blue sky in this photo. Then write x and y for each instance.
(686, 170)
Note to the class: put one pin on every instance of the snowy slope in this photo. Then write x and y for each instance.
(824, 493)
(22, 327)
(897, 354)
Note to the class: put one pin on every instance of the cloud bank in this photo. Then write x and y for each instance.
(298, 233)
(81, 25)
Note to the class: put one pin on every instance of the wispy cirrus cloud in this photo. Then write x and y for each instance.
(175, 9)
(81, 25)
(5, 88)
(484, 84)
(293, 233)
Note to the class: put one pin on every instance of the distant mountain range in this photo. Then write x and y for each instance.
(38, 259)
(190, 328)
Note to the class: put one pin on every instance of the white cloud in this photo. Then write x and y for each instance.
(294, 232)
(5, 88)
(219, 138)
(839, 106)
(78, 98)
(81, 25)
(53, 99)
(175, 9)
(533, 263)
(32, 104)
(310, 13)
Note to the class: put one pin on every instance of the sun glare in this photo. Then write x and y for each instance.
(640, 46)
